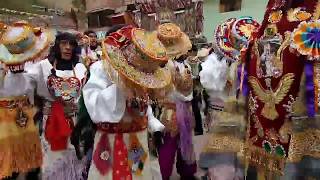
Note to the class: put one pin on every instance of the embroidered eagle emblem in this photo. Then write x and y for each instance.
(269, 97)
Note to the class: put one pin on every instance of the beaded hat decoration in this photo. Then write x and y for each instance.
(232, 35)
(138, 56)
(176, 42)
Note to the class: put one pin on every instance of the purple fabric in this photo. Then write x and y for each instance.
(167, 154)
(184, 120)
(66, 168)
(310, 96)
(245, 89)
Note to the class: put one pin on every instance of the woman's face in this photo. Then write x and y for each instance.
(66, 49)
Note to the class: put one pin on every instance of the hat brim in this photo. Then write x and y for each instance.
(39, 51)
(180, 47)
(222, 40)
(160, 79)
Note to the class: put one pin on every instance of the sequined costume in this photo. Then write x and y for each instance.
(282, 67)
(61, 90)
(225, 123)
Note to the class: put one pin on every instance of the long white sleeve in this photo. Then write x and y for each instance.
(104, 100)
(154, 124)
(38, 74)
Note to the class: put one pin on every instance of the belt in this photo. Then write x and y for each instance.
(15, 102)
(138, 124)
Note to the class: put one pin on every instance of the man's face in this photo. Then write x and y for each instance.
(93, 39)
(66, 49)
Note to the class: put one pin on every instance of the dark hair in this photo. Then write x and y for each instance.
(55, 53)
(89, 32)
(194, 48)
(115, 28)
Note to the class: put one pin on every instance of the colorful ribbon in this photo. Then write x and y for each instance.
(242, 82)
(310, 96)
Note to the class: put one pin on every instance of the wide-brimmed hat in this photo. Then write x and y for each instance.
(177, 43)
(137, 55)
(233, 35)
(20, 42)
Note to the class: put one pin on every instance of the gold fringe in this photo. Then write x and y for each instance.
(262, 160)
(20, 154)
(220, 143)
(20, 148)
(304, 143)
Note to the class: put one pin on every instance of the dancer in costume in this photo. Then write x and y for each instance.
(283, 96)
(59, 80)
(116, 97)
(20, 147)
(225, 121)
(83, 134)
(176, 107)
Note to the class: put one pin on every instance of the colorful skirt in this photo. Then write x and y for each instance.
(20, 148)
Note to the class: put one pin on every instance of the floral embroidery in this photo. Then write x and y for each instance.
(298, 14)
(275, 17)
(289, 106)
(278, 4)
(253, 105)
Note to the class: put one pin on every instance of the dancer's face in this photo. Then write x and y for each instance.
(66, 50)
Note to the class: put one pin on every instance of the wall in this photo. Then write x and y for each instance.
(212, 17)
(59, 4)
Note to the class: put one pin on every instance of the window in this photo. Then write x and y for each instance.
(100, 19)
(230, 5)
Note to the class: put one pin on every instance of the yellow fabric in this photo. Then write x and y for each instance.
(20, 148)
